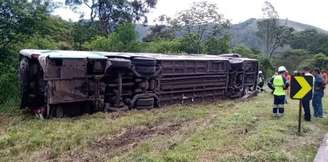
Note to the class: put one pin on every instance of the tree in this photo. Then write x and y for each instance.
(21, 19)
(90, 4)
(101, 43)
(40, 42)
(311, 40)
(25, 24)
(199, 22)
(161, 30)
(190, 43)
(112, 13)
(266, 66)
(202, 18)
(13, 16)
(320, 61)
(163, 46)
(84, 31)
(273, 34)
(244, 51)
(292, 59)
(215, 45)
(124, 39)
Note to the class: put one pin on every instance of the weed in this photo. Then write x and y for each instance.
(221, 131)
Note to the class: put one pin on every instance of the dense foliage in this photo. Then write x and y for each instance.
(310, 40)
(112, 13)
(25, 24)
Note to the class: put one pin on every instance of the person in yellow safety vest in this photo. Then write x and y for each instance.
(279, 84)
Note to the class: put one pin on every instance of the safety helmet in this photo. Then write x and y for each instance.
(282, 69)
(260, 72)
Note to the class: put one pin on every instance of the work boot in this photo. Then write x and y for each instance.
(323, 116)
(275, 115)
(307, 119)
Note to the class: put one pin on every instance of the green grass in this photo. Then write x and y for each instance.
(220, 131)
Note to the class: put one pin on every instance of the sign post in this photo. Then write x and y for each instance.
(300, 118)
(301, 89)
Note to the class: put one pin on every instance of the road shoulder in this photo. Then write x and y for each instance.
(322, 155)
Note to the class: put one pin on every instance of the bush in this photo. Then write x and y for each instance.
(124, 39)
(244, 51)
(9, 89)
(190, 43)
(216, 45)
(99, 43)
(320, 61)
(317, 61)
(266, 66)
(39, 42)
(9, 83)
(163, 46)
(293, 59)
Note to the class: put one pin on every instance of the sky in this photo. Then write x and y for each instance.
(312, 12)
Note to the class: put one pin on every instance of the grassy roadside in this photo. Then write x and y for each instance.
(220, 131)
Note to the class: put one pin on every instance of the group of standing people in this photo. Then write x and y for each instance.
(280, 82)
(319, 84)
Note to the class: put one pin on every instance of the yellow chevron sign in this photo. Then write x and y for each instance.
(305, 87)
(301, 87)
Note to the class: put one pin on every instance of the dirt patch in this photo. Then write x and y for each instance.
(116, 115)
(106, 148)
(45, 155)
(133, 135)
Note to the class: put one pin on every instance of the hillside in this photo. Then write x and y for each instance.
(245, 32)
(219, 131)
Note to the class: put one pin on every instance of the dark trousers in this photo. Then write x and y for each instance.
(307, 111)
(278, 104)
(317, 104)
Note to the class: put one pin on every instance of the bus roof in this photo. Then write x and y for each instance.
(105, 55)
(62, 54)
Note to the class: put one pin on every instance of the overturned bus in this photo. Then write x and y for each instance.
(58, 83)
